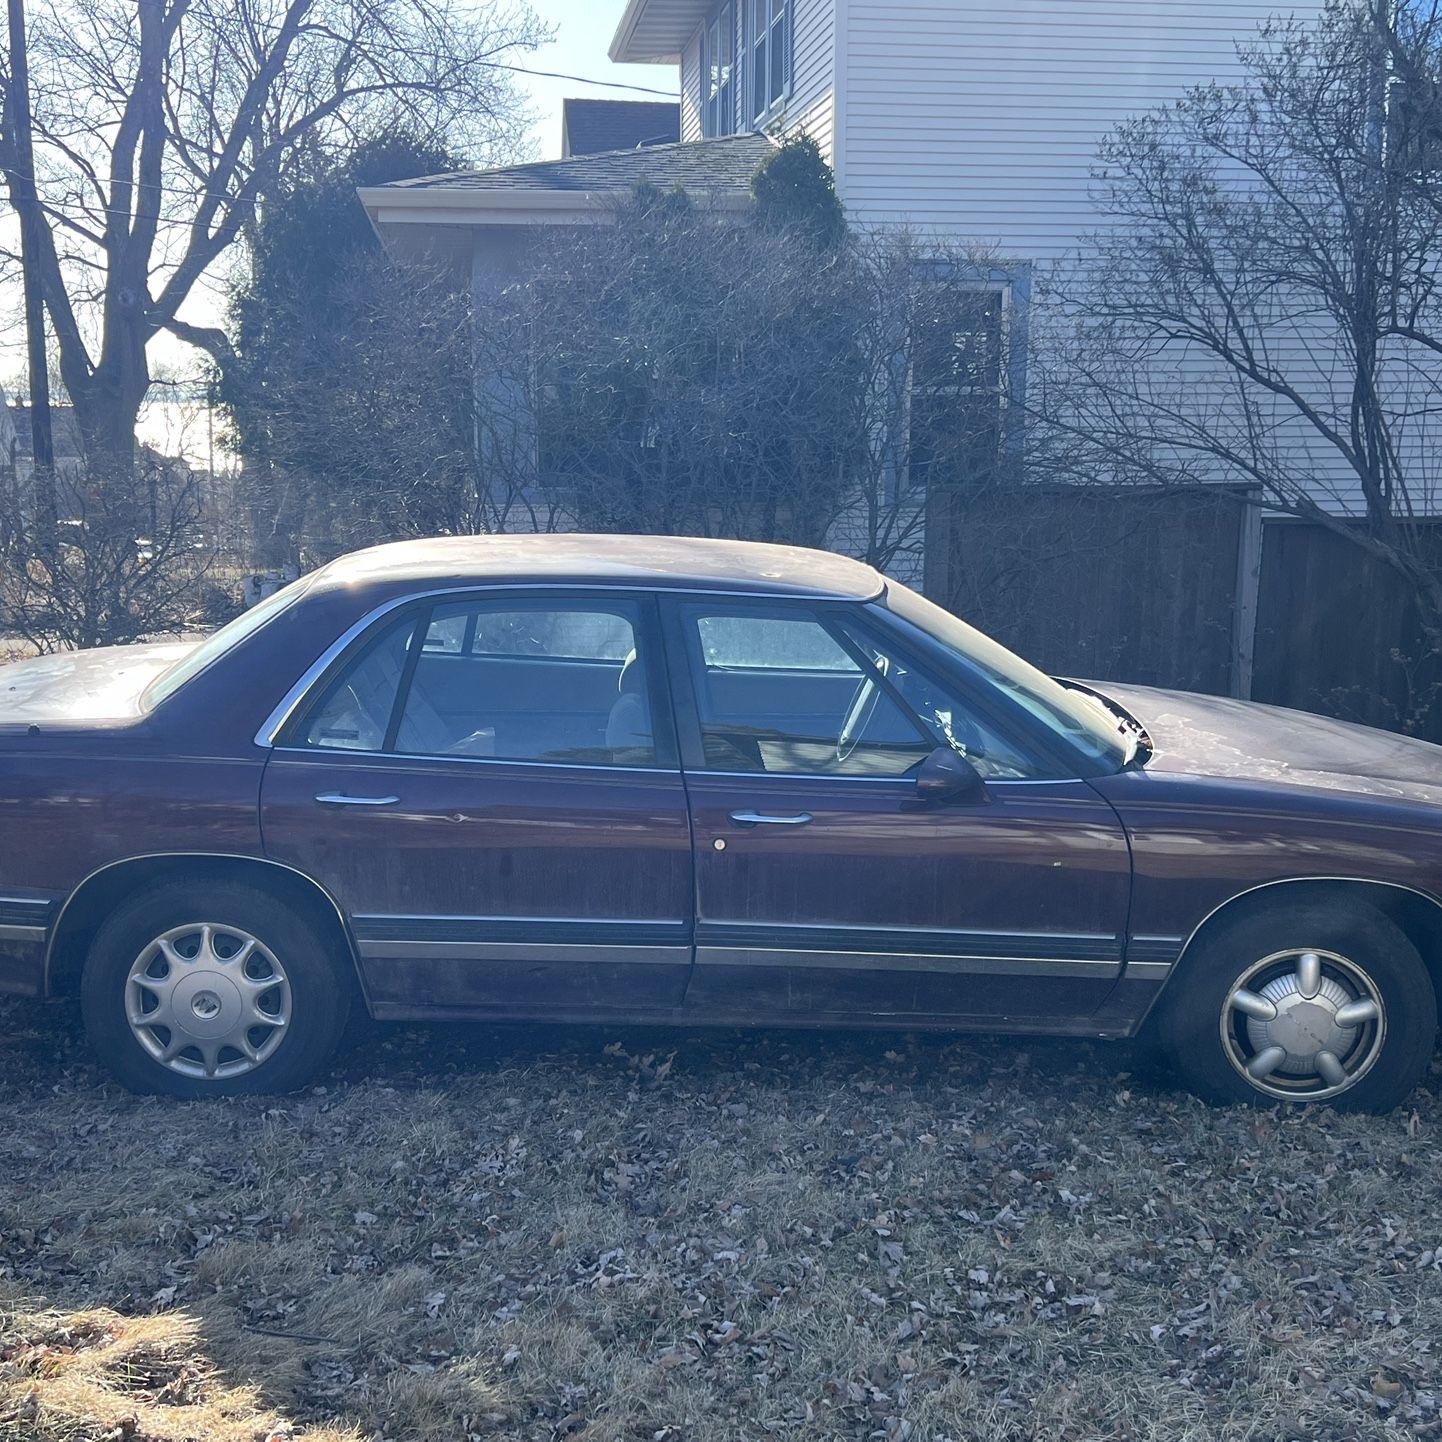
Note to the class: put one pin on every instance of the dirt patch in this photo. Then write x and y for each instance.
(626, 1235)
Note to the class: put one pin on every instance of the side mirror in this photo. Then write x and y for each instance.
(946, 775)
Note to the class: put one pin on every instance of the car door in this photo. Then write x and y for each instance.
(825, 886)
(488, 787)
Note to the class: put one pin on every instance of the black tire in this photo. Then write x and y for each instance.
(318, 980)
(1390, 1064)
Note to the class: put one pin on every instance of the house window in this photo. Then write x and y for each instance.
(1414, 128)
(718, 74)
(955, 401)
(769, 40)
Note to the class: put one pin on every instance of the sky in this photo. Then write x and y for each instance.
(583, 35)
(582, 32)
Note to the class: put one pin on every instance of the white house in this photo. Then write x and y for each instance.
(966, 120)
(965, 116)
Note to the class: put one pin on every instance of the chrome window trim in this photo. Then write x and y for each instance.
(340, 756)
(271, 727)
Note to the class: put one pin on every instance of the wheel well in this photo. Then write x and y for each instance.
(99, 894)
(1419, 916)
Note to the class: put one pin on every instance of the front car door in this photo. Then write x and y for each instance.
(487, 784)
(826, 888)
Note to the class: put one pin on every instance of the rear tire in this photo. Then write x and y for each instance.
(1326, 1003)
(212, 990)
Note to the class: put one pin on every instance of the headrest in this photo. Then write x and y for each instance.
(631, 677)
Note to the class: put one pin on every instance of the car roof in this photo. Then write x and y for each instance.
(661, 562)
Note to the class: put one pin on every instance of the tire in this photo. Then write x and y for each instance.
(200, 973)
(1362, 960)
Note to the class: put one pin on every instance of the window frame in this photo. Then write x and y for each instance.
(914, 482)
(762, 44)
(842, 620)
(289, 733)
(718, 117)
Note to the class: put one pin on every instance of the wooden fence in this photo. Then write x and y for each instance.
(1154, 588)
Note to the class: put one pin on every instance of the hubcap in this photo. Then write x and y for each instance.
(208, 1001)
(1304, 1025)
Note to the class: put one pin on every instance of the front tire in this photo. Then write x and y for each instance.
(1324, 1003)
(212, 990)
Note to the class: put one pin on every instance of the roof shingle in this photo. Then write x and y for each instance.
(592, 127)
(725, 164)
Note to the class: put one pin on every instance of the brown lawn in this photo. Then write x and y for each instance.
(689, 1238)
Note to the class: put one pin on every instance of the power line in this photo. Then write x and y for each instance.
(581, 79)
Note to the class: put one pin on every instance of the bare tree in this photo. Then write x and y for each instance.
(1262, 307)
(683, 370)
(127, 561)
(160, 125)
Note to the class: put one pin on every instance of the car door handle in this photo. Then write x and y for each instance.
(334, 798)
(757, 818)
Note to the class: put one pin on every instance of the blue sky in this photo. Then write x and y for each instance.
(583, 35)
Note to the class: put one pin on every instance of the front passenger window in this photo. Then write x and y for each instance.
(778, 693)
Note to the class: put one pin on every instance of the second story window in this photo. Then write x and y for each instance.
(718, 72)
(769, 41)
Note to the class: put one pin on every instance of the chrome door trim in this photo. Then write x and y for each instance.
(24, 933)
(521, 952)
(906, 961)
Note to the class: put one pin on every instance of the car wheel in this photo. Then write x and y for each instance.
(1321, 1003)
(214, 990)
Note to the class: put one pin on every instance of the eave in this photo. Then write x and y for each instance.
(655, 32)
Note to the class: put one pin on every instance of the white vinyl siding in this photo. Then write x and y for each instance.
(691, 89)
(811, 105)
(983, 120)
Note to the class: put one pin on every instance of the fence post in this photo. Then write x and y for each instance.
(1249, 585)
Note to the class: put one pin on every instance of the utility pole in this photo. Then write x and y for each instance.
(26, 202)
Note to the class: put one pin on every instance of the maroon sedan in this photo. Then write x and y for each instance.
(585, 779)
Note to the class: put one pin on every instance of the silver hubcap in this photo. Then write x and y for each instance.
(208, 1001)
(1304, 1025)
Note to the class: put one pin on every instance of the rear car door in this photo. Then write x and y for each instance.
(826, 887)
(488, 786)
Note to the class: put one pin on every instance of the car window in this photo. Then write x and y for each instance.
(574, 635)
(357, 707)
(219, 642)
(778, 693)
(1084, 726)
(553, 682)
(947, 717)
(769, 643)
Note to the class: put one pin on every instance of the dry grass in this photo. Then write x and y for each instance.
(517, 1235)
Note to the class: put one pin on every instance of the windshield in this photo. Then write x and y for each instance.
(1083, 721)
(219, 642)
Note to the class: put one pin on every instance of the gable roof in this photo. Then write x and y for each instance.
(592, 127)
(573, 189)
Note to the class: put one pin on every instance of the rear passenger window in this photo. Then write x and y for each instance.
(550, 681)
(356, 710)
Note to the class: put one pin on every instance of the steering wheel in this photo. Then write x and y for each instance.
(860, 712)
